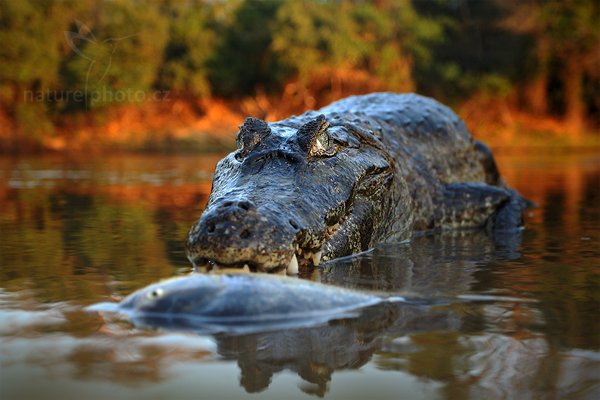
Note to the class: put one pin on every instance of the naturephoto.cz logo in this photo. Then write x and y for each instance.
(102, 95)
(99, 56)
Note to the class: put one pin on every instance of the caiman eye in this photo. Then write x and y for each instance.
(315, 140)
(251, 133)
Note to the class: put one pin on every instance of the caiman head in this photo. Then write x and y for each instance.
(293, 193)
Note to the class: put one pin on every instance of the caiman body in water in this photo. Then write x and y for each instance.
(334, 182)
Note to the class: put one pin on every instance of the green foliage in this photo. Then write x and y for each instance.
(573, 32)
(382, 39)
(116, 51)
(310, 35)
(190, 44)
(406, 44)
(476, 53)
(573, 28)
(243, 59)
(29, 52)
(30, 56)
(115, 58)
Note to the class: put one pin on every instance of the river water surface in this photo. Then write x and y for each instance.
(510, 317)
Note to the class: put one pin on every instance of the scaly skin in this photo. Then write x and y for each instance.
(334, 182)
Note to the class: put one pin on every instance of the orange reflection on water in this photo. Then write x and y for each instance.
(567, 179)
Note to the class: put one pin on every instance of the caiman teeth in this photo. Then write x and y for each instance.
(316, 257)
(205, 265)
(292, 268)
(312, 256)
(218, 270)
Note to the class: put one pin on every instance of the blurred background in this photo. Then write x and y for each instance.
(168, 75)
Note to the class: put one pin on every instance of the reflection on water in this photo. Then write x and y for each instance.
(315, 353)
(79, 231)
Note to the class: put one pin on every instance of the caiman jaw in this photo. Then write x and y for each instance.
(213, 265)
(303, 256)
(312, 256)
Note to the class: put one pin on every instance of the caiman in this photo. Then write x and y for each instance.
(334, 182)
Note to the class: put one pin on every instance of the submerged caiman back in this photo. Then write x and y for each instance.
(430, 147)
(334, 182)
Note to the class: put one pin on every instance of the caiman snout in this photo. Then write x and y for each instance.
(237, 234)
(231, 221)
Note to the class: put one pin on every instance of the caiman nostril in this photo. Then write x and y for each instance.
(293, 224)
(227, 204)
(210, 228)
(244, 205)
(245, 234)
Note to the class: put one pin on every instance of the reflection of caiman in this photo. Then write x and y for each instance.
(315, 353)
(331, 183)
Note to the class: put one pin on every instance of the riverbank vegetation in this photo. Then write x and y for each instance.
(181, 75)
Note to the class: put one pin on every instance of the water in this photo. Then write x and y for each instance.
(514, 318)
